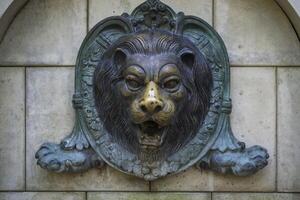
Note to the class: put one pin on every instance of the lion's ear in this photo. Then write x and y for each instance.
(119, 57)
(187, 57)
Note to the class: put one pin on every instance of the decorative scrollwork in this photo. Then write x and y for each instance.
(94, 139)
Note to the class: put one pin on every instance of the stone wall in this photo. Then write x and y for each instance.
(37, 57)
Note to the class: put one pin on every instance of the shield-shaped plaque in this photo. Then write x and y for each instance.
(152, 98)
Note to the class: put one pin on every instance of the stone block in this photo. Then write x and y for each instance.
(256, 33)
(199, 8)
(99, 10)
(42, 195)
(147, 196)
(50, 118)
(12, 128)
(256, 196)
(190, 180)
(45, 33)
(253, 122)
(288, 129)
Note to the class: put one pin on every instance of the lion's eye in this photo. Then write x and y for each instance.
(132, 83)
(171, 84)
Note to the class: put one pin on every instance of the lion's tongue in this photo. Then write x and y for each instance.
(150, 128)
(151, 134)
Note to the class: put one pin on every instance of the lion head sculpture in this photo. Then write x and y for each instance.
(158, 102)
(152, 92)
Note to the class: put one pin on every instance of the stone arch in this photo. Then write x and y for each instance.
(10, 8)
(292, 9)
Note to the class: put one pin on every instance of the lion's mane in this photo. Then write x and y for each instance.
(189, 115)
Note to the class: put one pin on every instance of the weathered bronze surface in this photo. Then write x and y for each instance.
(152, 99)
(152, 92)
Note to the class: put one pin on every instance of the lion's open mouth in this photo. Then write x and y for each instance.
(151, 134)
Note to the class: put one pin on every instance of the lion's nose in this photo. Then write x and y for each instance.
(151, 102)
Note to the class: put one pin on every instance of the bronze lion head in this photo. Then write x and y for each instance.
(152, 91)
(152, 98)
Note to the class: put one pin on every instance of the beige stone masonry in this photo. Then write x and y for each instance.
(45, 33)
(289, 129)
(99, 10)
(256, 32)
(42, 196)
(147, 196)
(254, 196)
(12, 128)
(36, 104)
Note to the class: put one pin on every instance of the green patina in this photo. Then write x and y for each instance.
(213, 146)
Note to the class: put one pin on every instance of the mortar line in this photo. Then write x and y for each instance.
(87, 15)
(262, 65)
(213, 14)
(86, 195)
(211, 195)
(276, 129)
(25, 128)
(170, 192)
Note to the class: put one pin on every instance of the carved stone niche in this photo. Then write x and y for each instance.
(152, 99)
